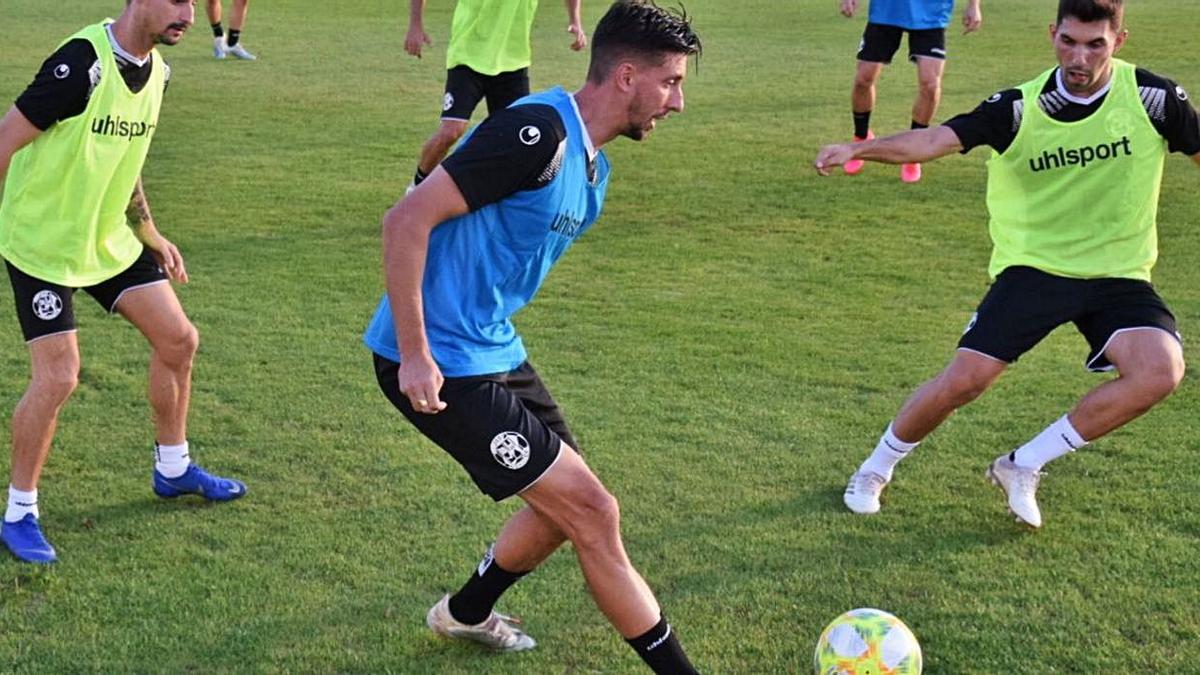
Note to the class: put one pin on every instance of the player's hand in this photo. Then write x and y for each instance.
(849, 7)
(972, 19)
(415, 38)
(169, 258)
(421, 381)
(580, 37)
(832, 156)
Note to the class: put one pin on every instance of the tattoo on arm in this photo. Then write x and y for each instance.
(138, 210)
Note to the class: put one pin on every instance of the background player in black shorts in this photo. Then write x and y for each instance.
(1073, 188)
(488, 57)
(925, 22)
(71, 154)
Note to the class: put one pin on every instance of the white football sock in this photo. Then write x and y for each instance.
(1055, 441)
(887, 454)
(20, 503)
(171, 460)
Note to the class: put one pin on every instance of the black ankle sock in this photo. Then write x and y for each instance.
(862, 124)
(473, 603)
(918, 125)
(419, 176)
(660, 649)
(233, 37)
(217, 32)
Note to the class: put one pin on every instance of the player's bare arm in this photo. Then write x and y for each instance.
(16, 132)
(416, 29)
(406, 229)
(1195, 158)
(166, 253)
(575, 26)
(972, 17)
(919, 145)
(848, 7)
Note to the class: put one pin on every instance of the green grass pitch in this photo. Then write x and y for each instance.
(728, 342)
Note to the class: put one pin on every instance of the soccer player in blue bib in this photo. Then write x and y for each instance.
(925, 22)
(466, 250)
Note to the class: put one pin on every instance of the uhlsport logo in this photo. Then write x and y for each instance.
(47, 305)
(530, 135)
(447, 101)
(1062, 157)
(971, 323)
(110, 126)
(510, 449)
(61, 71)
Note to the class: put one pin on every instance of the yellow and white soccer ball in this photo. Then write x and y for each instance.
(867, 642)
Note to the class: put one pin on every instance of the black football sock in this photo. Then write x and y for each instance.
(234, 35)
(419, 176)
(473, 603)
(217, 32)
(918, 125)
(660, 649)
(862, 124)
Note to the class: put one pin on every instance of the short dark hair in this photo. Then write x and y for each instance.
(641, 29)
(1088, 11)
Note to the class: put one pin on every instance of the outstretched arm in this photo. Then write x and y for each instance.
(918, 145)
(972, 17)
(575, 25)
(16, 132)
(406, 229)
(416, 36)
(167, 255)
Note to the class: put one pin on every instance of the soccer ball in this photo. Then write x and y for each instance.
(867, 642)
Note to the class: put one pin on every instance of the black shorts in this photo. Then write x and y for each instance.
(45, 308)
(465, 88)
(880, 42)
(1025, 304)
(504, 429)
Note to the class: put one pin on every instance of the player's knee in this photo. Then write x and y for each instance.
(1162, 378)
(930, 88)
(58, 383)
(596, 518)
(179, 349)
(448, 134)
(960, 388)
(863, 82)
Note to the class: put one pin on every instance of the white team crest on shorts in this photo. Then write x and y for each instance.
(61, 71)
(47, 305)
(447, 101)
(1180, 93)
(510, 449)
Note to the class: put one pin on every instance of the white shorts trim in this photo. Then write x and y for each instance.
(556, 458)
(976, 351)
(134, 288)
(456, 119)
(42, 337)
(1117, 332)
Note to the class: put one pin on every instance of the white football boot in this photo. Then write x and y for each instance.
(863, 490)
(1020, 484)
(219, 47)
(496, 631)
(239, 51)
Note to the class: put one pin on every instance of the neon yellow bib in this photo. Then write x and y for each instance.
(491, 36)
(1079, 199)
(63, 215)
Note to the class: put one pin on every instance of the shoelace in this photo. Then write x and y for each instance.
(504, 627)
(868, 482)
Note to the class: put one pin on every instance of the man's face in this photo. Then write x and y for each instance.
(166, 20)
(657, 92)
(1085, 51)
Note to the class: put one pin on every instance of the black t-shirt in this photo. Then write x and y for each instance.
(996, 121)
(63, 86)
(515, 149)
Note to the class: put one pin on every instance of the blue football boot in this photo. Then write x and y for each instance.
(198, 481)
(25, 540)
